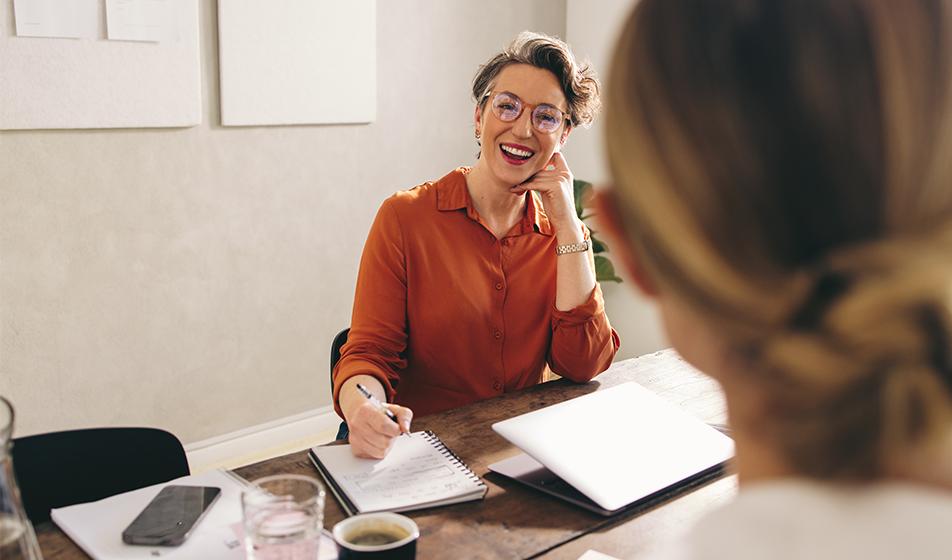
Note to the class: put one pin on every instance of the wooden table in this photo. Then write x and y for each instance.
(514, 521)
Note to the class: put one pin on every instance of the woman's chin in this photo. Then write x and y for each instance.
(510, 180)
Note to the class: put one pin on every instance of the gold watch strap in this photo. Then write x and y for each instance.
(573, 247)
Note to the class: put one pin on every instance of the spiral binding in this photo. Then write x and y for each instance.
(436, 442)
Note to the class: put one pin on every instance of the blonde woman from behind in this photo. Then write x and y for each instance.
(783, 190)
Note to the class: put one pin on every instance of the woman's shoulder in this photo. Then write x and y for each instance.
(427, 196)
(802, 519)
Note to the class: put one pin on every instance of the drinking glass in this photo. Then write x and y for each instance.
(283, 517)
(17, 539)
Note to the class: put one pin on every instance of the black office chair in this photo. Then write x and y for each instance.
(63, 468)
(339, 340)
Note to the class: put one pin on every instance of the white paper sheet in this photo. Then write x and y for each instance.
(97, 526)
(140, 20)
(94, 83)
(72, 19)
(595, 555)
(417, 472)
(297, 61)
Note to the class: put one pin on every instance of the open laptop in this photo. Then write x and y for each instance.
(613, 450)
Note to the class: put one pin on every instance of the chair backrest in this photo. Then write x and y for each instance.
(63, 468)
(336, 345)
(339, 340)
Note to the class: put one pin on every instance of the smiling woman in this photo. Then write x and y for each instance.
(482, 281)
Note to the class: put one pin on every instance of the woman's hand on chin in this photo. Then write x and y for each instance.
(554, 184)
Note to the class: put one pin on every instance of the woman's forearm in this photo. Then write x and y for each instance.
(350, 398)
(575, 276)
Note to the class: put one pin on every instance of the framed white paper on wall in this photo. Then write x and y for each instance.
(297, 61)
(91, 82)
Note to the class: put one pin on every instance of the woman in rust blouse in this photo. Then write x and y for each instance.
(474, 284)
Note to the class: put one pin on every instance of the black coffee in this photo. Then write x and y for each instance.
(377, 536)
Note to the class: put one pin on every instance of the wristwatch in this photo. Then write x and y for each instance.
(579, 247)
(573, 247)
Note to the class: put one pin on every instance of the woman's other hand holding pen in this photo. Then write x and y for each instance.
(372, 431)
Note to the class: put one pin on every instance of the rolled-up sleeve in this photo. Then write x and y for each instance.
(377, 341)
(583, 341)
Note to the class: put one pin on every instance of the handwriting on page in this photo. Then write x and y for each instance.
(411, 477)
(413, 472)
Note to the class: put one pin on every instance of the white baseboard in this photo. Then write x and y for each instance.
(257, 443)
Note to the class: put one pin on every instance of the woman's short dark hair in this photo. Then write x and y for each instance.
(578, 81)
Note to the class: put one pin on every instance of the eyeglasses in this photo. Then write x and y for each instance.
(545, 118)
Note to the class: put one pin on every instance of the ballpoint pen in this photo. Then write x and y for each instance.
(379, 406)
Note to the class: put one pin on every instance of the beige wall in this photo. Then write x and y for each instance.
(192, 279)
(591, 28)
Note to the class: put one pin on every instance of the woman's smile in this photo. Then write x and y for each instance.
(515, 154)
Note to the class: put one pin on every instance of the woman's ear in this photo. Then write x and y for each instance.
(610, 220)
(477, 120)
(565, 134)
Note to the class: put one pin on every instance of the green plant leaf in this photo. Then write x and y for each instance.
(597, 245)
(605, 270)
(581, 189)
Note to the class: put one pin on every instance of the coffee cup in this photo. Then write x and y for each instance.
(370, 536)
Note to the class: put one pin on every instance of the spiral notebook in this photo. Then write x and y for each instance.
(418, 472)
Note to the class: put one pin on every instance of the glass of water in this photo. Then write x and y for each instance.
(17, 539)
(283, 517)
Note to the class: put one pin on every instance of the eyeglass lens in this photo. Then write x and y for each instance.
(545, 118)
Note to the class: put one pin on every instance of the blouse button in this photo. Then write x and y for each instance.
(497, 333)
(498, 285)
(497, 386)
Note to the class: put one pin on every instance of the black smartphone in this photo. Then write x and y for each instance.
(171, 515)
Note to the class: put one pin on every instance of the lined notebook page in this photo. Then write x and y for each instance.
(419, 471)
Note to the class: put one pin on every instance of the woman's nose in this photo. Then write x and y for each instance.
(522, 127)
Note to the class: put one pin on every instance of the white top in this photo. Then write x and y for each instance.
(810, 520)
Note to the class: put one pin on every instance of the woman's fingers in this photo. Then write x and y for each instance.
(404, 416)
(383, 425)
(367, 442)
(372, 431)
(363, 447)
(550, 177)
(377, 421)
(558, 163)
(554, 184)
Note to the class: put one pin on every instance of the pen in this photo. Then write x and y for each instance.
(379, 406)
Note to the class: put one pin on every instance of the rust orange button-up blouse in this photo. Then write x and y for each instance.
(446, 314)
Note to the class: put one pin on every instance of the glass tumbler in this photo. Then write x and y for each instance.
(283, 517)
(17, 539)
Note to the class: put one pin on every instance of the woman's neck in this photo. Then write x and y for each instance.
(703, 347)
(759, 460)
(498, 208)
(930, 465)
(758, 457)
(755, 460)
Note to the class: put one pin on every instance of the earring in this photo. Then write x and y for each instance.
(477, 133)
